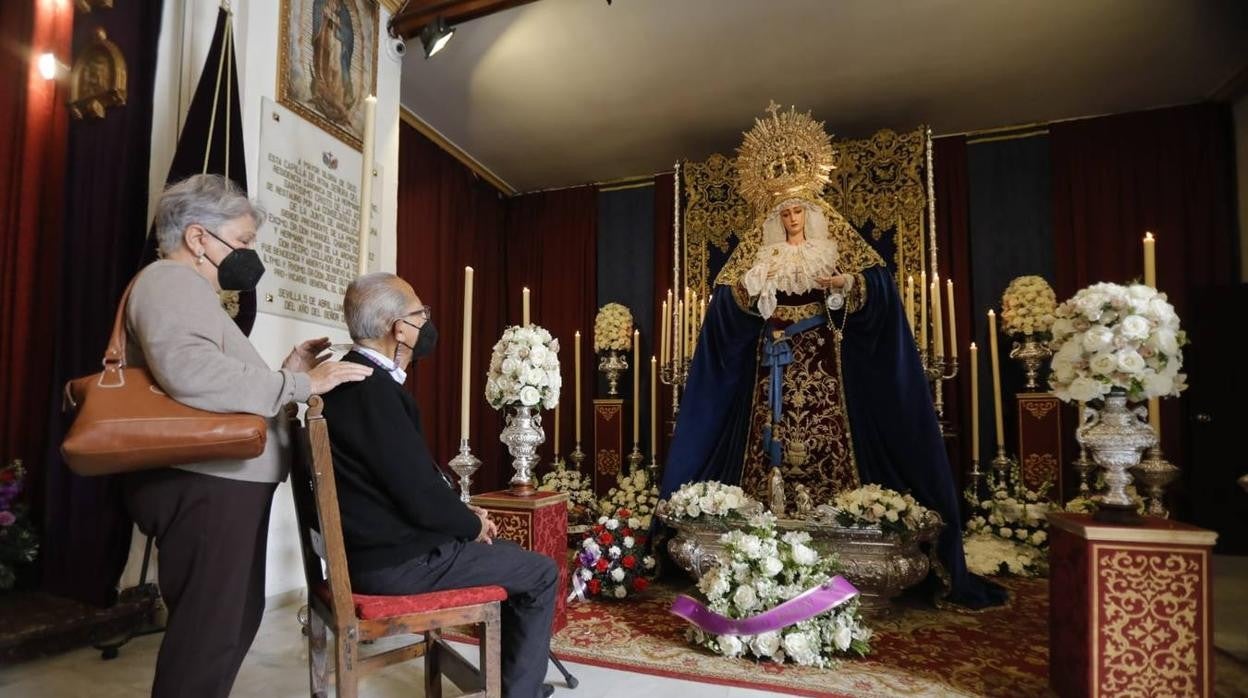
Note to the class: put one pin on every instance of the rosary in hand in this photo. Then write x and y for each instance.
(835, 300)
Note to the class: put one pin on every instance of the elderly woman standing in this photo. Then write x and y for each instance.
(211, 520)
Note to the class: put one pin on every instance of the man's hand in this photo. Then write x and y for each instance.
(489, 529)
(307, 355)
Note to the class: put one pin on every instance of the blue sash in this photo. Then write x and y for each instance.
(777, 353)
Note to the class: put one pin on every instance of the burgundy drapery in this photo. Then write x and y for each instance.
(33, 121)
(1169, 171)
(953, 256)
(664, 199)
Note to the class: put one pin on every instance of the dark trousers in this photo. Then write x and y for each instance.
(212, 534)
(529, 578)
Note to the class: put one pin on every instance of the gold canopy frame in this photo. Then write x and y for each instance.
(885, 180)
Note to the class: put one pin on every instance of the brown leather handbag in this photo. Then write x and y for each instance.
(125, 422)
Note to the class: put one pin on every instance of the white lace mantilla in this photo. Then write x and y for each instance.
(793, 269)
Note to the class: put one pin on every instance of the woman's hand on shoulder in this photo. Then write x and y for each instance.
(327, 375)
(307, 355)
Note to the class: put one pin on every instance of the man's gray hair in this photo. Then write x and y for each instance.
(208, 200)
(372, 303)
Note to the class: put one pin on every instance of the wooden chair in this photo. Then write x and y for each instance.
(358, 618)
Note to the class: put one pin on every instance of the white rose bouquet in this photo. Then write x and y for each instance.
(1111, 336)
(1009, 532)
(633, 492)
(709, 500)
(613, 328)
(763, 570)
(873, 506)
(524, 369)
(612, 562)
(579, 488)
(1027, 306)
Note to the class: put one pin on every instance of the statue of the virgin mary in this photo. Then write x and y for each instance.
(805, 361)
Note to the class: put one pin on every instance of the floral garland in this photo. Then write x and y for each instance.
(633, 492)
(577, 485)
(613, 328)
(1009, 532)
(708, 499)
(18, 544)
(524, 369)
(763, 570)
(1027, 306)
(612, 562)
(1111, 336)
(873, 506)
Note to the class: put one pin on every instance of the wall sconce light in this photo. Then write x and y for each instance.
(435, 35)
(49, 67)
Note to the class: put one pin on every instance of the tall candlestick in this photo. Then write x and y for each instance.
(1150, 260)
(654, 412)
(663, 333)
(996, 378)
(366, 178)
(910, 301)
(576, 351)
(465, 372)
(923, 310)
(525, 306)
(636, 386)
(953, 321)
(974, 402)
(938, 325)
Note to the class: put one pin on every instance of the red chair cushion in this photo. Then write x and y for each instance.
(369, 607)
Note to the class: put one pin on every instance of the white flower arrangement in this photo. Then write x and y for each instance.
(612, 561)
(987, 554)
(613, 328)
(763, 570)
(708, 499)
(1027, 306)
(873, 506)
(579, 488)
(1112, 336)
(524, 369)
(633, 492)
(1017, 518)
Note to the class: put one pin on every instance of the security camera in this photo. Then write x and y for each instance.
(396, 48)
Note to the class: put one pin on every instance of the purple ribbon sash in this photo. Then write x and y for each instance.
(808, 604)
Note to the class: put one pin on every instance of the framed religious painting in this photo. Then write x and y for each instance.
(327, 63)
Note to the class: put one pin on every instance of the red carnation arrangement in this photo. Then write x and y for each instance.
(612, 562)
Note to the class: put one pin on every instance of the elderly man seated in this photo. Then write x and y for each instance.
(405, 529)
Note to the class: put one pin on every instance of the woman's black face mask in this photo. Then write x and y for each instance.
(240, 270)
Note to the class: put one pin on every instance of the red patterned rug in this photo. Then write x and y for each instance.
(917, 652)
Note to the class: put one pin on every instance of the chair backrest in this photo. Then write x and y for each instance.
(316, 511)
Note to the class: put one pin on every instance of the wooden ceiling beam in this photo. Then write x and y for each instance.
(417, 13)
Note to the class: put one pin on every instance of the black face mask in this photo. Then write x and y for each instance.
(425, 341)
(240, 270)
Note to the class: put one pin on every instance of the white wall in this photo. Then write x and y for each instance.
(1241, 175)
(186, 32)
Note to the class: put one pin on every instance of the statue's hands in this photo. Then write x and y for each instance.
(838, 281)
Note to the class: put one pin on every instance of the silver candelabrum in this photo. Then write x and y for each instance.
(464, 465)
(937, 370)
(522, 435)
(674, 373)
(613, 365)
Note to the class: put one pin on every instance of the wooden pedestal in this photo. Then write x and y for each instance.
(608, 443)
(1040, 441)
(538, 523)
(1129, 608)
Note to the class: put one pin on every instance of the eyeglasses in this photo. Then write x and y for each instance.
(425, 314)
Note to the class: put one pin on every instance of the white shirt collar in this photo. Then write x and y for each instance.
(398, 374)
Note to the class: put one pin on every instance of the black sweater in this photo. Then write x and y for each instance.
(394, 502)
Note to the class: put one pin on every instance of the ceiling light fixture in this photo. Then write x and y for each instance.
(435, 35)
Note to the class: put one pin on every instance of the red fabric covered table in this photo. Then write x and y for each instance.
(538, 523)
(1129, 608)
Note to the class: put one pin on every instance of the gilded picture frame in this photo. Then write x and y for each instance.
(327, 63)
(98, 78)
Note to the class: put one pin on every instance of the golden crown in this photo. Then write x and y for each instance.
(786, 156)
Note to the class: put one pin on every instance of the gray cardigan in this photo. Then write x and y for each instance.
(195, 352)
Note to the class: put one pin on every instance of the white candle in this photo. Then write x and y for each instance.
(910, 302)
(677, 332)
(923, 310)
(576, 351)
(366, 178)
(1150, 260)
(654, 391)
(938, 325)
(466, 359)
(953, 321)
(663, 332)
(525, 306)
(636, 387)
(996, 378)
(974, 402)
(557, 405)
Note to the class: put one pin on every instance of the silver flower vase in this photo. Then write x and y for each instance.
(1032, 354)
(613, 365)
(1116, 436)
(522, 435)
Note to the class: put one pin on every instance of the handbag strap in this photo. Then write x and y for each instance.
(115, 354)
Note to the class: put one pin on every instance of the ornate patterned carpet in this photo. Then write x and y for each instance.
(918, 652)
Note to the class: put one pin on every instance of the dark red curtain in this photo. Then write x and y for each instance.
(953, 253)
(1169, 171)
(448, 219)
(32, 165)
(552, 248)
(664, 246)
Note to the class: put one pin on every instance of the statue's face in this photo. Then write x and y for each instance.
(794, 219)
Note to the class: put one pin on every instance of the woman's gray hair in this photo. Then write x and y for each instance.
(372, 303)
(208, 200)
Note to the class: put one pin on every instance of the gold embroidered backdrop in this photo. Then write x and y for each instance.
(879, 185)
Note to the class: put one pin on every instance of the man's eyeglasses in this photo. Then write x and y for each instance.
(425, 314)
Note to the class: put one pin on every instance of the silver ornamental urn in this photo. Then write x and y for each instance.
(522, 435)
(1032, 354)
(613, 365)
(1116, 436)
